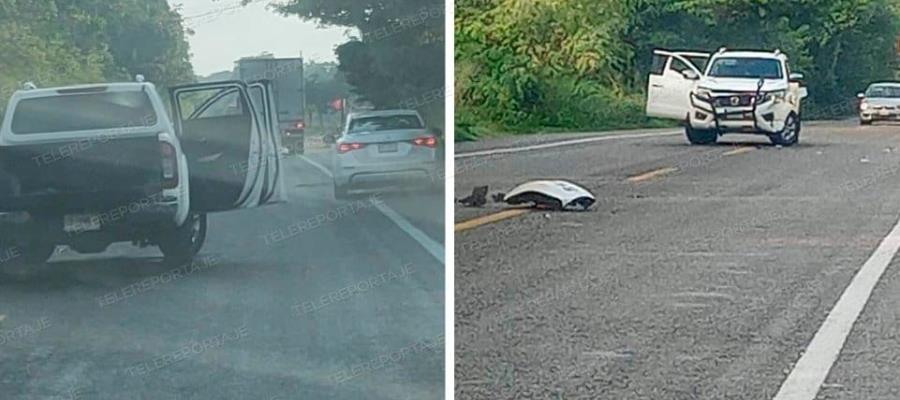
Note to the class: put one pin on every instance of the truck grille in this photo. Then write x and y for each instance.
(738, 100)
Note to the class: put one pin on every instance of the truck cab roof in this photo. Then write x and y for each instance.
(775, 55)
(83, 111)
(86, 88)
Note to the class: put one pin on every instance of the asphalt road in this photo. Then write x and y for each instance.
(311, 299)
(703, 272)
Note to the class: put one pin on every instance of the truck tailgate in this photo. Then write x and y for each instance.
(79, 176)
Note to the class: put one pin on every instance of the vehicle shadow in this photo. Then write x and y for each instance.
(97, 272)
(735, 142)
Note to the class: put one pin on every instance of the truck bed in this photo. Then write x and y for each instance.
(79, 176)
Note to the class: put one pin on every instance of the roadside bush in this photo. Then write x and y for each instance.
(529, 65)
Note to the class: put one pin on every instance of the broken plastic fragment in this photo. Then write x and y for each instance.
(478, 198)
(554, 195)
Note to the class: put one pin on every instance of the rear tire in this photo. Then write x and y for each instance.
(700, 136)
(864, 122)
(182, 243)
(340, 192)
(38, 240)
(300, 147)
(790, 135)
(38, 253)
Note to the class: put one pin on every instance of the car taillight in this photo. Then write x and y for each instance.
(345, 147)
(299, 125)
(169, 165)
(427, 141)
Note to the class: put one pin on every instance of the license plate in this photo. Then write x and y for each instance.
(387, 148)
(82, 223)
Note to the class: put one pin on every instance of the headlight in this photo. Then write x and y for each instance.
(703, 93)
(864, 106)
(777, 95)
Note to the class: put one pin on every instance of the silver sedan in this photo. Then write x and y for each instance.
(383, 148)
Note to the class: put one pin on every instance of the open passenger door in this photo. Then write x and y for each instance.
(672, 77)
(262, 94)
(232, 159)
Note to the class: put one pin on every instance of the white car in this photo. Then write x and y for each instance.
(86, 166)
(381, 148)
(880, 102)
(727, 92)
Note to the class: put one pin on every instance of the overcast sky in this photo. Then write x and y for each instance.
(225, 32)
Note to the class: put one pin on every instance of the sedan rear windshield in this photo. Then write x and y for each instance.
(740, 67)
(384, 123)
(81, 112)
(892, 92)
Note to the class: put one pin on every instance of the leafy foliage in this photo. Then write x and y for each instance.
(324, 83)
(399, 56)
(56, 42)
(582, 64)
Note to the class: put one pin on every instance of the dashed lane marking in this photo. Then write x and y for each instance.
(488, 219)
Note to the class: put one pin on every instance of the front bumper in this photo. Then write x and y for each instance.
(764, 118)
(879, 115)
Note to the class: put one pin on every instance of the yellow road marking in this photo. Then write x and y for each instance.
(652, 174)
(489, 219)
(739, 150)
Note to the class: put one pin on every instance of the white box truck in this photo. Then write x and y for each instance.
(286, 76)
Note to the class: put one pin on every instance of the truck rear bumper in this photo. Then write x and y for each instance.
(119, 220)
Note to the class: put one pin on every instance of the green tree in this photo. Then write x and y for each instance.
(59, 42)
(582, 64)
(324, 83)
(398, 58)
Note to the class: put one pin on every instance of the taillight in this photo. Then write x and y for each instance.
(345, 147)
(427, 141)
(299, 125)
(169, 165)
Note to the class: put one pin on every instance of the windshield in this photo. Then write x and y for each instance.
(740, 67)
(887, 92)
(81, 112)
(385, 123)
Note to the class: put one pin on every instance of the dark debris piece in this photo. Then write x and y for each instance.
(478, 198)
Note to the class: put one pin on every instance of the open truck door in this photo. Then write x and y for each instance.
(232, 159)
(262, 95)
(672, 77)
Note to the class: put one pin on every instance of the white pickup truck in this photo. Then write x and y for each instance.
(727, 92)
(86, 166)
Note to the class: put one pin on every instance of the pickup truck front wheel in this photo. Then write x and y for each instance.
(700, 136)
(181, 244)
(790, 135)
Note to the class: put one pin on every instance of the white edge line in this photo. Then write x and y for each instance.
(318, 166)
(561, 143)
(430, 245)
(810, 372)
(433, 247)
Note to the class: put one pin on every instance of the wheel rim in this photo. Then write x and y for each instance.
(195, 229)
(790, 129)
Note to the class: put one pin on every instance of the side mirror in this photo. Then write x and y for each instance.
(860, 95)
(329, 138)
(796, 77)
(690, 74)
